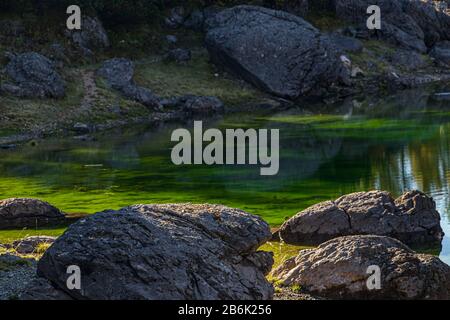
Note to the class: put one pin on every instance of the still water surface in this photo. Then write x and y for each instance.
(396, 144)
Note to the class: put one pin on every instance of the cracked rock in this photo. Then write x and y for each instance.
(21, 213)
(161, 252)
(338, 269)
(278, 52)
(412, 219)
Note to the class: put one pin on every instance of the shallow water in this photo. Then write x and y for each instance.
(395, 144)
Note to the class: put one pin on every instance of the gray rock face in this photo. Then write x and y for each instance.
(92, 36)
(29, 245)
(338, 269)
(276, 51)
(34, 76)
(119, 72)
(412, 219)
(412, 24)
(162, 252)
(441, 52)
(21, 213)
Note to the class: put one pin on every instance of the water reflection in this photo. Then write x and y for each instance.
(396, 144)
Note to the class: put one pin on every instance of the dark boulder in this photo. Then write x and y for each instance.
(22, 213)
(411, 24)
(276, 51)
(34, 75)
(91, 38)
(441, 52)
(118, 73)
(412, 219)
(339, 269)
(162, 252)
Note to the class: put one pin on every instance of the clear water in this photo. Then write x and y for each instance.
(396, 144)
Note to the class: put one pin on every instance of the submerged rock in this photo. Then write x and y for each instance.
(338, 269)
(34, 75)
(412, 219)
(162, 252)
(20, 213)
(278, 52)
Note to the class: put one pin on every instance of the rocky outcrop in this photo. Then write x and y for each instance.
(278, 52)
(118, 73)
(441, 52)
(412, 219)
(34, 76)
(30, 245)
(20, 213)
(195, 105)
(91, 38)
(338, 269)
(411, 24)
(161, 252)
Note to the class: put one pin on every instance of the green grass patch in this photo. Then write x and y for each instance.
(9, 236)
(197, 77)
(282, 251)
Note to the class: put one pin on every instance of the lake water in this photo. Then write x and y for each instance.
(396, 144)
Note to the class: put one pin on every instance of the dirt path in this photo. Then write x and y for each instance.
(90, 90)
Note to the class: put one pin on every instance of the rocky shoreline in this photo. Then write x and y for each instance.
(358, 61)
(186, 251)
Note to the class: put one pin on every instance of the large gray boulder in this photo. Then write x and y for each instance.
(412, 219)
(162, 252)
(34, 75)
(119, 73)
(412, 24)
(21, 213)
(338, 269)
(278, 52)
(91, 38)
